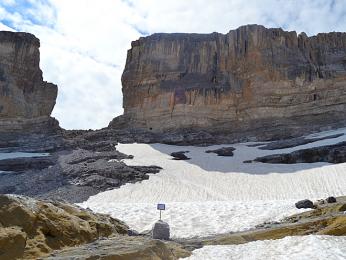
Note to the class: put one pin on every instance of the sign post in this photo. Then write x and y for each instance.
(161, 207)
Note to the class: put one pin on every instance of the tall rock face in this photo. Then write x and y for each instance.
(26, 101)
(252, 81)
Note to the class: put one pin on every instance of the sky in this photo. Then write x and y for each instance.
(84, 42)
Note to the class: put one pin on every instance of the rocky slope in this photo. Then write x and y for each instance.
(250, 82)
(70, 175)
(26, 101)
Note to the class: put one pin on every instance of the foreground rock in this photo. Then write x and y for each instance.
(124, 248)
(12, 242)
(252, 82)
(331, 153)
(30, 228)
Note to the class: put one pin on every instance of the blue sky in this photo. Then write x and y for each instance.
(27, 10)
(84, 42)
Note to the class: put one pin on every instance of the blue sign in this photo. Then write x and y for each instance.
(161, 206)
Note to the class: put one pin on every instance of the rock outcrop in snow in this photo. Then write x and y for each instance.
(252, 81)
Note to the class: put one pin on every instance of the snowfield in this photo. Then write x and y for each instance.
(198, 219)
(210, 194)
(288, 248)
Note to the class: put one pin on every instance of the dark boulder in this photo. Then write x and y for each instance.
(304, 204)
(331, 200)
(180, 155)
(224, 151)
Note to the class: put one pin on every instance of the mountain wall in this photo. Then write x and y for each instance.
(26, 101)
(252, 81)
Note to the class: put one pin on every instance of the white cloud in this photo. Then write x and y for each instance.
(84, 54)
(92, 100)
(207, 16)
(90, 53)
(9, 2)
(84, 42)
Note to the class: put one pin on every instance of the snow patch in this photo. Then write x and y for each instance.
(288, 248)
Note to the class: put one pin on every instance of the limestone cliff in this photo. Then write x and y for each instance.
(26, 101)
(251, 81)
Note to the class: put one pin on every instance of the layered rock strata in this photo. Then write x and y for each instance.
(26, 101)
(252, 81)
